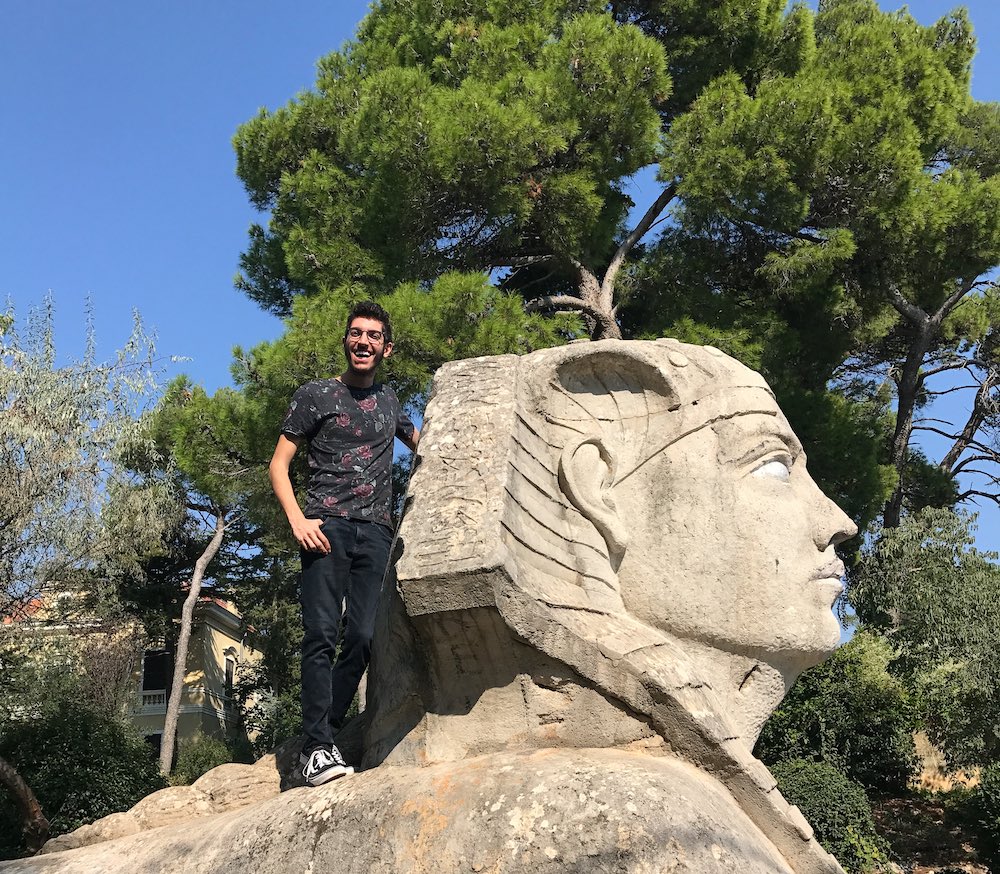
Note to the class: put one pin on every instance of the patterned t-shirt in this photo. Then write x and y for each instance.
(350, 433)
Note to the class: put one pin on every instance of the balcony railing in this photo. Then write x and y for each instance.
(156, 699)
(153, 698)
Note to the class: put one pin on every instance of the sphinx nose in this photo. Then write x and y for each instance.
(832, 525)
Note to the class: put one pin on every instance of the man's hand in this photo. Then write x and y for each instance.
(310, 535)
(307, 531)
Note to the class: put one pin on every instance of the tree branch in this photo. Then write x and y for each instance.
(948, 391)
(34, 825)
(524, 261)
(942, 368)
(953, 299)
(608, 284)
(180, 657)
(935, 431)
(975, 493)
(812, 238)
(975, 470)
(906, 309)
(980, 410)
(972, 459)
(562, 302)
(208, 509)
(604, 325)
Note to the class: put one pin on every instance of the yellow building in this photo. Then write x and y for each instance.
(215, 655)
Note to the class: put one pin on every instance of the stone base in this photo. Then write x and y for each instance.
(554, 810)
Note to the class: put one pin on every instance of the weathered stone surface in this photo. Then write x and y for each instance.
(553, 810)
(611, 565)
(117, 825)
(225, 788)
(171, 805)
(230, 787)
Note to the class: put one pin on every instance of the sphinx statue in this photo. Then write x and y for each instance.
(611, 566)
(609, 545)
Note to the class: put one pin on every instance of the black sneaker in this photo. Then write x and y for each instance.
(323, 765)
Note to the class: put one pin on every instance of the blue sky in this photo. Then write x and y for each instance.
(117, 177)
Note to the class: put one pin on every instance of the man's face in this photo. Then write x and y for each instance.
(365, 345)
(733, 542)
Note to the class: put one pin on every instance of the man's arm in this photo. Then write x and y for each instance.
(307, 531)
(414, 438)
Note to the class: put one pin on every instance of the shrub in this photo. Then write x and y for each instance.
(839, 812)
(198, 756)
(272, 719)
(984, 805)
(81, 765)
(850, 713)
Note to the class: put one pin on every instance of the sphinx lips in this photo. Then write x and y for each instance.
(832, 570)
(828, 578)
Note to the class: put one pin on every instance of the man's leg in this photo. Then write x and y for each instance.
(324, 584)
(370, 557)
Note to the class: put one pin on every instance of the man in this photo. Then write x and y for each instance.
(349, 422)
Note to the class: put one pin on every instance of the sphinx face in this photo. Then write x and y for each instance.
(732, 543)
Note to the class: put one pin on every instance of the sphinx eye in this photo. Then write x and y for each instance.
(777, 468)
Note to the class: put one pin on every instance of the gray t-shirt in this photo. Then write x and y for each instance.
(350, 433)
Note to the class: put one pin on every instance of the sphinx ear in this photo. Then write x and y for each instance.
(586, 472)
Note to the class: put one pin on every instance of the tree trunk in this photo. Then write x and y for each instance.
(595, 299)
(980, 411)
(972, 425)
(606, 328)
(926, 329)
(906, 401)
(180, 661)
(34, 825)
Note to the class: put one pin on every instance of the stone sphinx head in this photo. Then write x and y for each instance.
(689, 505)
(638, 513)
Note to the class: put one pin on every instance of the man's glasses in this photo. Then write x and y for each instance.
(358, 333)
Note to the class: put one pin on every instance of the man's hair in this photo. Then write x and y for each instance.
(368, 309)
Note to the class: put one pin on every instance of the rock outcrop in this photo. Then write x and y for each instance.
(223, 789)
(550, 810)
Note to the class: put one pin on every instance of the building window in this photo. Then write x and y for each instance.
(157, 667)
(230, 676)
(155, 742)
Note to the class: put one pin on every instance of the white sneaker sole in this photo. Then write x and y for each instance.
(331, 773)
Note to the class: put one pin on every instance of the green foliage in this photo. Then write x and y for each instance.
(451, 136)
(984, 804)
(197, 756)
(756, 40)
(269, 690)
(827, 164)
(65, 431)
(93, 663)
(822, 162)
(210, 440)
(937, 598)
(81, 764)
(925, 484)
(272, 718)
(813, 201)
(839, 812)
(849, 713)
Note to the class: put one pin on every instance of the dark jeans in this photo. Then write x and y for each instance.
(352, 571)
